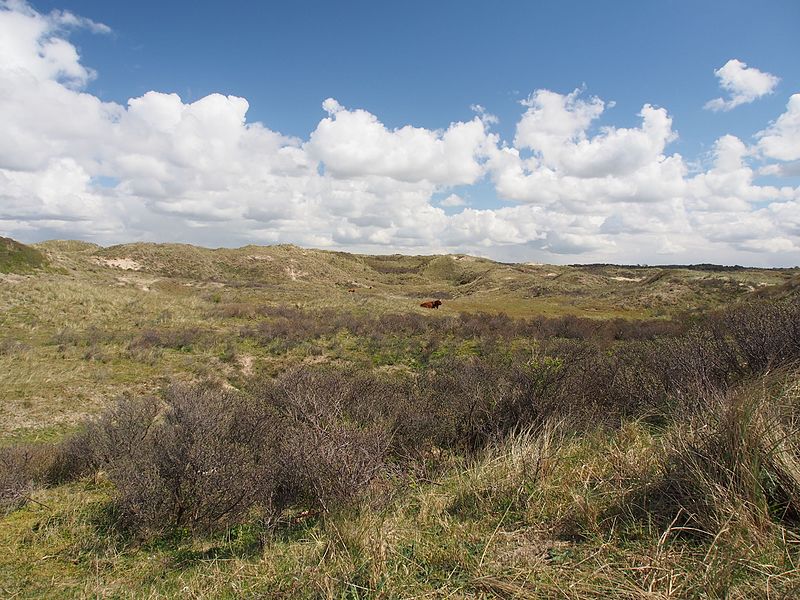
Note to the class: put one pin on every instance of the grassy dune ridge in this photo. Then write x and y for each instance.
(19, 258)
(282, 422)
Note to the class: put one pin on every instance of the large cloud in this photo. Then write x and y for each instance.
(781, 140)
(354, 143)
(744, 84)
(728, 186)
(623, 191)
(570, 167)
(163, 169)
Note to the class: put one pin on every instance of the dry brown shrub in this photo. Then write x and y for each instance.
(22, 469)
(177, 339)
(201, 462)
(328, 457)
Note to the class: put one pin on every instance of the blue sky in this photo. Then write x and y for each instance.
(424, 64)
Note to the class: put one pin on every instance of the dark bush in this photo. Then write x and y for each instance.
(289, 327)
(91, 339)
(329, 456)
(332, 465)
(9, 347)
(25, 467)
(72, 458)
(240, 310)
(756, 336)
(22, 468)
(121, 430)
(176, 339)
(202, 463)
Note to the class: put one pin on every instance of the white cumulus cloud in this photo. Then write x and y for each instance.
(570, 165)
(744, 85)
(781, 140)
(355, 142)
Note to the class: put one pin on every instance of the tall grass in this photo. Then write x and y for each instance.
(734, 463)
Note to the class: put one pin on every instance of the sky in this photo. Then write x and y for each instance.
(561, 132)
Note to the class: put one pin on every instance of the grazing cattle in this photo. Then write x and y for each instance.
(352, 290)
(431, 304)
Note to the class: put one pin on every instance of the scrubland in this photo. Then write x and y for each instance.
(278, 422)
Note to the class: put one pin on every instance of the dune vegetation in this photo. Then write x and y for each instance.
(287, 423)
(19, 258)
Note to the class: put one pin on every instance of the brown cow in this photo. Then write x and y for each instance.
(431, 304)
(352, 290)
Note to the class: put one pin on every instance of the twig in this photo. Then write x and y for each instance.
(37, 502)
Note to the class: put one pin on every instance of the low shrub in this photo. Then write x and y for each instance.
(71, 459)
(330, 452)
(22, 467)
(9, 347)
(26, 467)
(756, 336)
(286, 327)
(201, 462)
(177, 339)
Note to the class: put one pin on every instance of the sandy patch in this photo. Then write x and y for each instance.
(142, 284)
(295, 274)
(524, 549)
(627, 278)
(246, 364)
(11, 278)
(316, 360)
(127, 264)
(257, 257)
